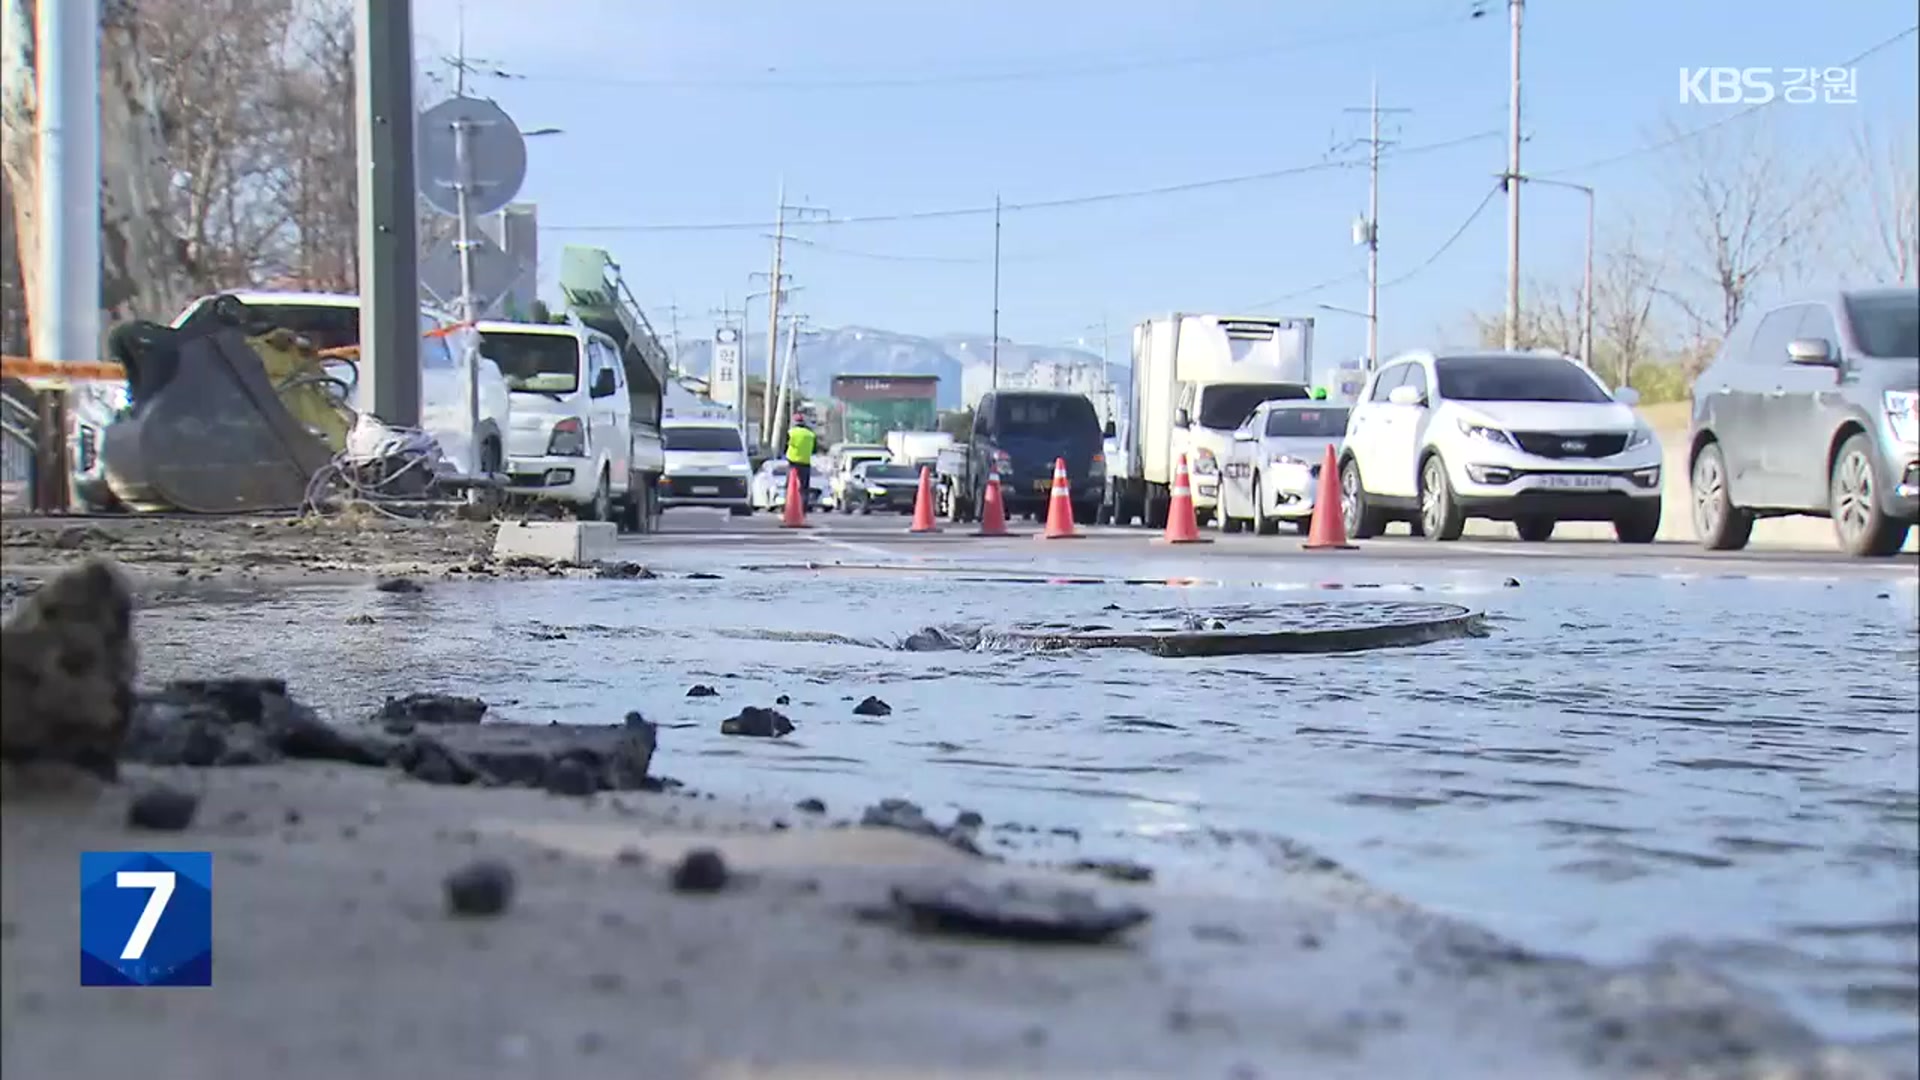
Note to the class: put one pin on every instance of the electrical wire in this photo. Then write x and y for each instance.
(1055, 71)
(1688, 136)
(1359, 274)
(1022, 207)
(1485, 201)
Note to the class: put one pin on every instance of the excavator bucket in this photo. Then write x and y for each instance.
(207, 432)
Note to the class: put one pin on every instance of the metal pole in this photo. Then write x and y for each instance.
(995, 382)
(773, 317)
(389, 254)
(1513, 182)
(463, 166)
(65, 324)
(1373, 230)
(1586, 288)
(783, 413)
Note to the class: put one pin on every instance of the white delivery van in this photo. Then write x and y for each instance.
(574, 437)
(1196, 379)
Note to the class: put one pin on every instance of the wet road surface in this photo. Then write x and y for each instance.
(1656, 751)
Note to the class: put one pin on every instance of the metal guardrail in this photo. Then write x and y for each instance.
(19, 442)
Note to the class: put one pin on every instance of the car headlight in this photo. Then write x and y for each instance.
(1490, 434)
(1641, 436)
(876, 492)
(569, 439)
(1204, 463)
(1903, 414)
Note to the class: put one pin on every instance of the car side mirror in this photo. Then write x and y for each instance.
(1811, 352)
(1406, 395)
(603, 384)
(1627, 396)
(1110, 431)
(1244, 435)
(1182, 419)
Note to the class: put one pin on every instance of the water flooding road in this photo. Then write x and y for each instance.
(1718, 768)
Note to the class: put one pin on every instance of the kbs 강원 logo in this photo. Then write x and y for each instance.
(1760, 85)
(146, 918)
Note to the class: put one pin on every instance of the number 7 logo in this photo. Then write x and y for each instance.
(161, 882)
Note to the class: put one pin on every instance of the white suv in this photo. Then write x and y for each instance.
(1530, 438)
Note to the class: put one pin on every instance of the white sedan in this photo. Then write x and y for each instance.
(769, 490)
(1272, 469)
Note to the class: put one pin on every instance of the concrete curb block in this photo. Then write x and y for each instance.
(1456, 622)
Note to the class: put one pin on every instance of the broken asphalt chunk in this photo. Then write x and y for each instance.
(1013, 911)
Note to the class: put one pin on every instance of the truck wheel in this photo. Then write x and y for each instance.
(601, 508)
(1156, 511)
(1086, 513)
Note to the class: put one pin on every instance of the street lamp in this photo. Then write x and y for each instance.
(1586, 286)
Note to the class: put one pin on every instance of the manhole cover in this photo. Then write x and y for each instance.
(1305, 627)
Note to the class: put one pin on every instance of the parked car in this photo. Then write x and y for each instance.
(770, 486)
(842, 460)
(1524, 437)
(1810, 408)
(447, 348)
(707, 465)
(1273, 465)
(882, 485)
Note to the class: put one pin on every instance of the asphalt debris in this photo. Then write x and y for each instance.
(162, 809)
(480, 888)
(1510, 583)
(1013, 911)
(571, 776)
(783, 700)
(68, 677)
(872, 706)
(1124, 870)
(702, 690)
(810, 806)
(399, 585)
(701, 870)
(907, 816)
(624, 571)
(430, 708)
(757, 722)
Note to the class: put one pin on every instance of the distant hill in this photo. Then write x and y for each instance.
(859, 350)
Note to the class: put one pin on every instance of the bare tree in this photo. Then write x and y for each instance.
(1625, 292)
(1744, 216)
(1884, 205)
(1550, 319)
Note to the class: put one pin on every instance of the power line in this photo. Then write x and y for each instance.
(1687, 136)
(1036, 73)
(1485, 201)
(1353, 274)
(1043, 204)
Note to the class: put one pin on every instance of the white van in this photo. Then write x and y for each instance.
(573, 438)
(707, 465)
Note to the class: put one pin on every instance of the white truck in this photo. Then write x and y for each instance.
(912, 448)
(1196, 378)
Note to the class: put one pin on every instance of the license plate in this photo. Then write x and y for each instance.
(1043, 485)
(1290, 477)
(1576, 482)
(707, 489)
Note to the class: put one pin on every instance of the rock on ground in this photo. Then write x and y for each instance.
(67, 666)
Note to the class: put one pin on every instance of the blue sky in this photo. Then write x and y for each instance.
(692, 111)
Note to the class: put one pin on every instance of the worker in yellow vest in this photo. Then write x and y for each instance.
(800, 443)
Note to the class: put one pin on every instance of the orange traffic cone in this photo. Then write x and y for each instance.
(1060, 506)
(1329, 528)
(1183, 526)
(794, 514)
(993, 509)
(923, 504)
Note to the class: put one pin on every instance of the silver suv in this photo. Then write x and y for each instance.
(1809, 408)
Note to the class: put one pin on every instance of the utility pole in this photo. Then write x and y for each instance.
(1368, 231)
(995, 346)
(389, 243)
(1586, 281)
(1513, 181)
(784, 413)
(775, 288)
